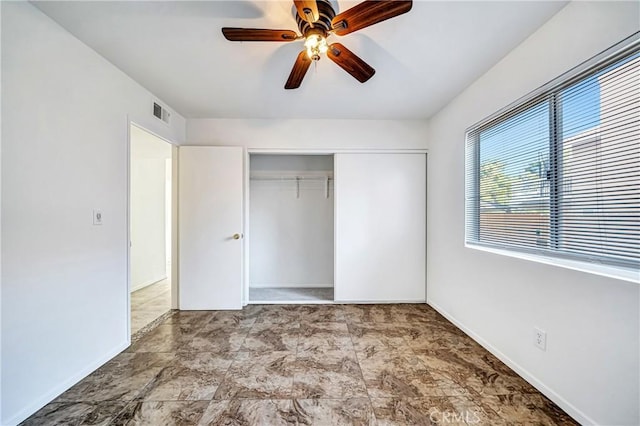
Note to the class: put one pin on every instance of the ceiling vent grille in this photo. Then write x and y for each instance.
(161, 112)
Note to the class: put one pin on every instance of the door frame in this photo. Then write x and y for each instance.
(174, 219)
(247, 183)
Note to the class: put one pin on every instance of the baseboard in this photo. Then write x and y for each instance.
(569, 408)
(290, 302)
(378, 302)
(147, 284)
(327, 302)
(58, 390)
(290, 285)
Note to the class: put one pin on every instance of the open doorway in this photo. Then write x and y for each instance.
(150, 227)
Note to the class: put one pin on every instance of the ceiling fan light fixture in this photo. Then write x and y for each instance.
(315, 44)
(316, 21)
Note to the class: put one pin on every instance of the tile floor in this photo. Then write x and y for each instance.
(304, 364)
(291, 295)
(149, 303)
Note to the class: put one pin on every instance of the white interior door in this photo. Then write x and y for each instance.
(210, 215)
(380, 227)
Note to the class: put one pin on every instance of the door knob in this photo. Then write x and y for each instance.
(236, 236)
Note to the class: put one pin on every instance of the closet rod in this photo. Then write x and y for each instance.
(292, 178)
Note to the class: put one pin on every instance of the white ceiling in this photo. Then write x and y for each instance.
(423, 59)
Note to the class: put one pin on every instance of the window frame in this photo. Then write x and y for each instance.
(548, 93)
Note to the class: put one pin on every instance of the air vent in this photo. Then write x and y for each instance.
(161, 112)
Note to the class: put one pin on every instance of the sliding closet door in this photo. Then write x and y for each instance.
(210, 227)
(380, 227)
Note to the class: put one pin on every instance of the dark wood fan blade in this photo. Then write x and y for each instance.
(256, 34)
(308, 10)
(367, 13)
(349, 62)
(298, 71)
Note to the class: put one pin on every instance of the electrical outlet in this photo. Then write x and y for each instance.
(97, 217)
(540, 338)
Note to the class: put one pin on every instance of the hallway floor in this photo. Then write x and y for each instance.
(304, 364)
(149, 303)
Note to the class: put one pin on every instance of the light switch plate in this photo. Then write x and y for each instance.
(97, 217)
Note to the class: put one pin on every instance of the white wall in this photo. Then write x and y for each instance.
(291, 243)
(64, 153)
(149, 155)
(0, 224)
(309, 134)
(591, 366)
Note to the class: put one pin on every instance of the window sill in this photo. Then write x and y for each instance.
(625, 274)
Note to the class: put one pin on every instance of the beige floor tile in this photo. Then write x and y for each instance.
(259, 375)
(328, 374)
(335, 412)
(301, 364)
(249, 412)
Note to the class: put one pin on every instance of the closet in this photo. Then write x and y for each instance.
(261, 227)
(291, 228)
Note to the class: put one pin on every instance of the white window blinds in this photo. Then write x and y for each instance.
(559, 175)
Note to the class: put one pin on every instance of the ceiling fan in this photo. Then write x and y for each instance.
(316, 21)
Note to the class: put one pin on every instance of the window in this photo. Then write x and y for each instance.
(558, 174)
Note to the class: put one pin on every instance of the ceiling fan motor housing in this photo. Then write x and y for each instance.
(323, 25)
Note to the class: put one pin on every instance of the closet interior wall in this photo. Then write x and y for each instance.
(291, 222)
